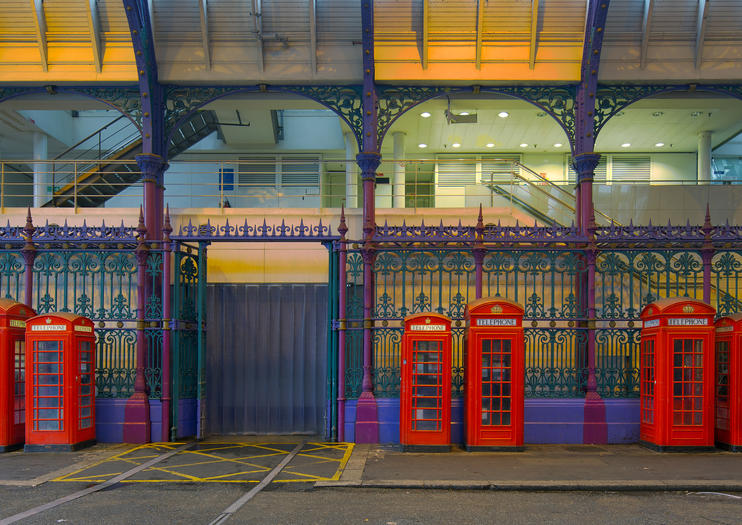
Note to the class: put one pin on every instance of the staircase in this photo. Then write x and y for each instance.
(96, 180)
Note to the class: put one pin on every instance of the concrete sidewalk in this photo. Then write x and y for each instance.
(544, 467)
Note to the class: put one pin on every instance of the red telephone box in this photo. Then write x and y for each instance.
(425, 397)
(60, 382)
(728, 382)
(13, 317)
(494, 374)
(677, 375)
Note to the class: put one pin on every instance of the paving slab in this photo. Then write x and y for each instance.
(33, 468)
(547, 467)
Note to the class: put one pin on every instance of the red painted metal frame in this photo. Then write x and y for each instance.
(664, 323)
(486, 321)
(74, 331)
(408, 436)
(13, 317)
(728, 393)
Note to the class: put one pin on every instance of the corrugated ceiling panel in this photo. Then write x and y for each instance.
(508, 17)
(338, 20)
(112, 19)
(724, 20)
(17, 20)
(288, 18)
(66, 20)
(562, 20)
(231, 20)
(452, 18)
(624, 20)
(177, 20)
(674, 20)
(397, 18)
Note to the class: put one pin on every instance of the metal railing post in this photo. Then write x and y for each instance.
(2, 187)
(74, 189)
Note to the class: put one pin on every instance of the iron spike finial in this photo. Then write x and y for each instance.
(141, 228)
(342, 227)
(167, 228)
(480, 218)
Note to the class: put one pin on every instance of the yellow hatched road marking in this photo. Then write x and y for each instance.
(214, 459)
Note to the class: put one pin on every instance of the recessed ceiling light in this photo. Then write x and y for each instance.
(524, 145)
(421, 145)
(626, 144)
(503, 114)
(455, 145)
(558, 145)
(490, 145)
(464, 113)
(659, 144)
(425, 114)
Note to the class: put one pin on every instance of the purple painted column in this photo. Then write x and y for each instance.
(367, 421)
(342, 288)
(479, 251)
(595, 429)
(137, 426)
(29, 255)
(166, 330)
(152, 167)
(707, 254)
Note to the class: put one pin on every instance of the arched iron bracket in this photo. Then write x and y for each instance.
(611, 99)
(123, 99)
(556, 101)
(182, 101)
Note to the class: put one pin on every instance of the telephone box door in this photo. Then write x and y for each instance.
(425, 399)
(728, 383)
(60, 389)
(13, 317)
(494, 374)
(677, 374)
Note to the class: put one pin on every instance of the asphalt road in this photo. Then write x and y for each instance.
(200, 503)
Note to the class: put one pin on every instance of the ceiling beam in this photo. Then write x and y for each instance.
(151, 11)
(646, 29)
(534, 34)
(703, 14)
(40, 25)
(424, 50)
(480, 29)
(203, 15)
(258, 17)
(313, 35)
(94, 25)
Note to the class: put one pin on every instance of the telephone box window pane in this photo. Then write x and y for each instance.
(647, 383)
(85, 415)
(722, 385)
(19, 392)
(427, 385)
(496, 377)
(48, 381)
(687, 387)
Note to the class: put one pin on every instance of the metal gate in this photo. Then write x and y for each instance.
(266, 363)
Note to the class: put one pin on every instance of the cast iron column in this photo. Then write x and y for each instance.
(479, 251)
(342, 287)
(166, 327)
(29, 255)
(367, 422)
(137, 426)
(707, 254)
(152, 167)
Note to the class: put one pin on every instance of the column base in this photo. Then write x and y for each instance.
(595, 427)
(137, 426)
(367, 419)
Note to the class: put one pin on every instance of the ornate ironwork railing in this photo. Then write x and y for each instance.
(432, 268)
